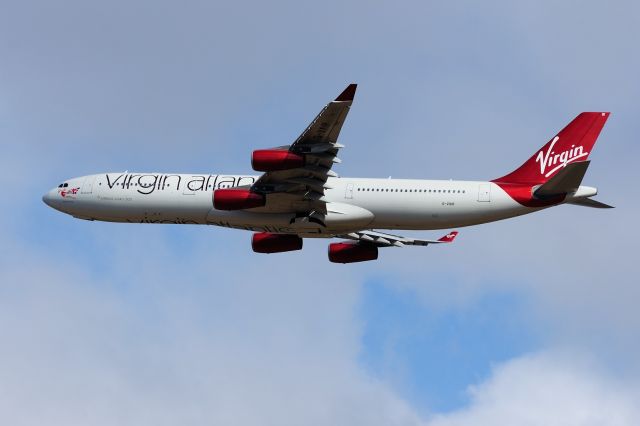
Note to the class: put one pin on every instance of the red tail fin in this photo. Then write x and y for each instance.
(449, 237)
(573, 143)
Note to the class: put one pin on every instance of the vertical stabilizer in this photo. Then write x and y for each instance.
(573, 143)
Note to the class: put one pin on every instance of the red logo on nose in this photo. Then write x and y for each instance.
(69, 193)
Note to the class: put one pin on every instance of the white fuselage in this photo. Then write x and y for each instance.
(352, 203)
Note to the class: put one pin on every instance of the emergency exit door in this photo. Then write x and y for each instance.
(348, 193)
(484, 192)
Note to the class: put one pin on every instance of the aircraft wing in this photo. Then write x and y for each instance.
(387, 240)
(301, 189)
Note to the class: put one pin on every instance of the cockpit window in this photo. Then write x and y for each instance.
(65, 185)
(60, 186)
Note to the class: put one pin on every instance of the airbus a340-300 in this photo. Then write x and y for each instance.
(298, 195)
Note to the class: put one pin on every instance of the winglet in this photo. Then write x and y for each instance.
(449, 237)
(347, 94)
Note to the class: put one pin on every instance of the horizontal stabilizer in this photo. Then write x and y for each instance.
(588, 202)
(565, 181)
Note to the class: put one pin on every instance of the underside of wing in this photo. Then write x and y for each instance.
(388, 240)
(296, 175)
(364, 245)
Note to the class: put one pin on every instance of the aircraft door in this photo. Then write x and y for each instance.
(484, 192)
(188, 190)
(348, 193)
(87, 185)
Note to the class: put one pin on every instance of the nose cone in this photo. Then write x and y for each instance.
(48, 199)
(52, 199)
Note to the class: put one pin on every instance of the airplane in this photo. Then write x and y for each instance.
(298, 195)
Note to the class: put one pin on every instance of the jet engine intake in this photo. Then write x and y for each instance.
(266, 242)
(350, 252)
(271, 160)
(237, 199)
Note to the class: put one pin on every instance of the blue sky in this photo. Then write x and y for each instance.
(527, 321)
(431, 356)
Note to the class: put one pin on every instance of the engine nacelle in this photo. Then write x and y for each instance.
(352, 252)
(237, 199)
(270, 160)
(266, 242)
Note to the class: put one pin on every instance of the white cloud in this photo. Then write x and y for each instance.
(196, 343)
(548, 389)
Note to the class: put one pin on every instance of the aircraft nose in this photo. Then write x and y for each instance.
(48, 199)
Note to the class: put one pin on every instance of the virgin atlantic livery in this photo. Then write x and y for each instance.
(298, 195)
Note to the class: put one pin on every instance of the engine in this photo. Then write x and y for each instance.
(265, 242)
(237, 199)
(352, 252)
(270, 160)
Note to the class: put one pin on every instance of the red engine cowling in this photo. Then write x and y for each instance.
(237, 199)
(270, 160)
(352, 252)
(265, 242)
